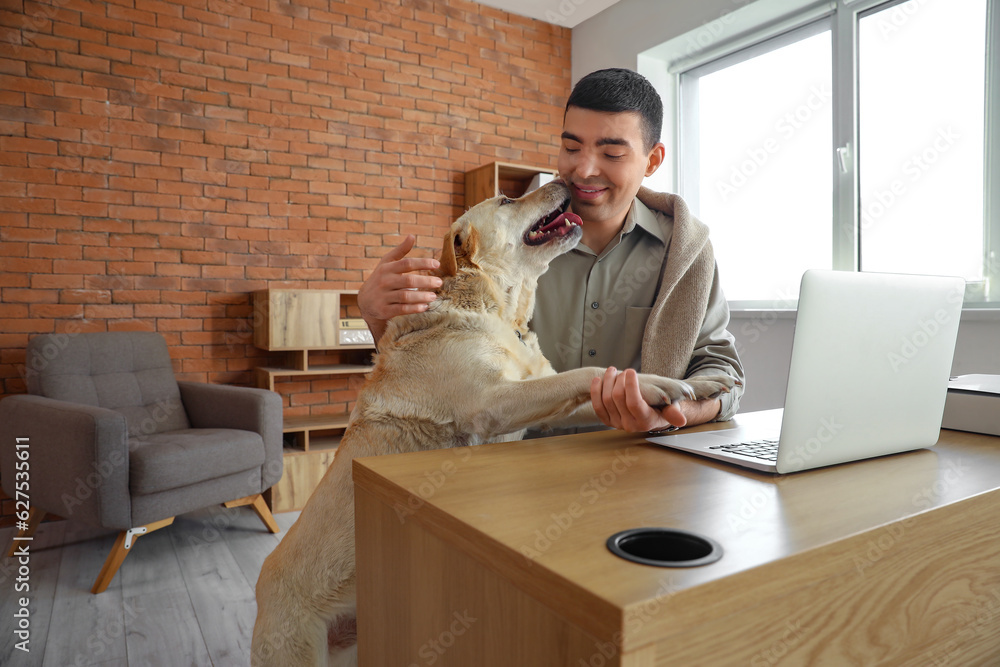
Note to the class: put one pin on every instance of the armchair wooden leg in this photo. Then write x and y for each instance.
(35, 516)
(125, 540)
(259, 506)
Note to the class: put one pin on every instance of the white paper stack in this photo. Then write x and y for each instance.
(973, 404)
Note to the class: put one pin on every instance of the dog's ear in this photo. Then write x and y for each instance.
(458, 251)
(449, 262)
(468, 252)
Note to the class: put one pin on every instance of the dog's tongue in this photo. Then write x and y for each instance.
(561, 220)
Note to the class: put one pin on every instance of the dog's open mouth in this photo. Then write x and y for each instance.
(556, 224)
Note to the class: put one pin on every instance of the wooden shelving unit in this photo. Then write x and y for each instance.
(299, 322)
(494, 178)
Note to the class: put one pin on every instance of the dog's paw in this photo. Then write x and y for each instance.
(659, 391)
(711, 386)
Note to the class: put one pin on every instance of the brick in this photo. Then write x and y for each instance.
(108, 311)
(60, 311)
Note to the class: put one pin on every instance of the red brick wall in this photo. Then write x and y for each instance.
(161, 160)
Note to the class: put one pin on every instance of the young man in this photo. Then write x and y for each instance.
(640, 291)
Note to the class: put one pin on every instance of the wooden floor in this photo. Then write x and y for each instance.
(184, 596)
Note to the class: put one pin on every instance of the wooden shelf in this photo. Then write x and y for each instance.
(323, 443)
(266, 374)
(337, 369)
(304, 426)
(315, 423)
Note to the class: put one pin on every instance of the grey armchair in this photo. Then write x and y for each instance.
(113, 440)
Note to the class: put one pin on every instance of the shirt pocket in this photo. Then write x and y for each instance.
(635, 326)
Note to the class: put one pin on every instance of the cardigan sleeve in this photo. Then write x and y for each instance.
(715, 350)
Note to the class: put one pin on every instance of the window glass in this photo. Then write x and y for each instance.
(921, 108)
(764, 167)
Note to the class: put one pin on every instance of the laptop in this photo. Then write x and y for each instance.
(871, 359)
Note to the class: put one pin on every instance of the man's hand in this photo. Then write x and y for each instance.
(618, 403)
(392, 289)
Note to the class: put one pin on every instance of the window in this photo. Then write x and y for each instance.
(855, 136)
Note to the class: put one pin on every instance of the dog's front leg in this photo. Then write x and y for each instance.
(564, 399)
(538, 402)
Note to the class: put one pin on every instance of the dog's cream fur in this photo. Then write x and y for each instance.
(465, 372)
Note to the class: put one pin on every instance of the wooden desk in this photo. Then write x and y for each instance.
(496, 556)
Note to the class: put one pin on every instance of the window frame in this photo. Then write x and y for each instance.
(772, 25)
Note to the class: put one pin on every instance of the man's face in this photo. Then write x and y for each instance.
(603, 161)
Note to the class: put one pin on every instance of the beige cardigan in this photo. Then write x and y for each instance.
(685, 286)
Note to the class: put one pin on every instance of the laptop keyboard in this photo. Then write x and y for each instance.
(765, 450)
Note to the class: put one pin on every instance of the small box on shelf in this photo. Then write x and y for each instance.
(354, 331)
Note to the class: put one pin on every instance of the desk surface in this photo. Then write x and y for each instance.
(539, 513)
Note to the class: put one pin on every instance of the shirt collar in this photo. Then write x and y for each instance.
(639, 215)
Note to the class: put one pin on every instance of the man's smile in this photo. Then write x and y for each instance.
(588, 192)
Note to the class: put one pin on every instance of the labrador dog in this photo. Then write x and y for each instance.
(466, 371)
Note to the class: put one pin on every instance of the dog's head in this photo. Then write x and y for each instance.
(513, 238)
(494, 254)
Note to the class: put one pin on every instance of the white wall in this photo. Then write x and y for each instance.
(615, 38)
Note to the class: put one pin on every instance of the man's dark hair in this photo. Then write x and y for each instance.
(618, 90)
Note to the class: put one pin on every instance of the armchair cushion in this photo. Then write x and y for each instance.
(127, 371)
(246, 408)
(164, 461)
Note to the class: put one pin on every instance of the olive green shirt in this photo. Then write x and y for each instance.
(591, 310)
